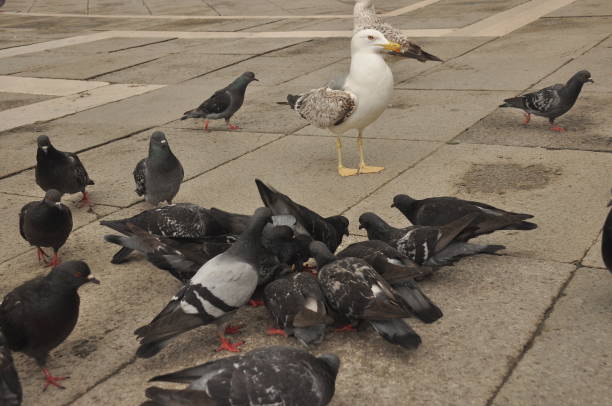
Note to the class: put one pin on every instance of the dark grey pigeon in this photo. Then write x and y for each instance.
(391, 265)
(552, 101)
(329, 230)
(10, 387)
(40, 314)
(46, 223)
(606, 240)
(224, 103)
(427, 245)
(217, 290)
(62, 171)
(158, 177)
(265, 376)
(297, 306)
(356, 291)
(439, 211)
(180, 220)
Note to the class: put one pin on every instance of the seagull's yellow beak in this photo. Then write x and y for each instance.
(393, 46)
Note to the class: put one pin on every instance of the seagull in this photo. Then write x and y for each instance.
(224, 103)
(364, 17)
(358, 101)
(552, 101)
(606, 240)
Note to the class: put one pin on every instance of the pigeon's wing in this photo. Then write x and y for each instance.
(79, 170)
(140, 176)
(22, 214)
(217, 103)
(175, 397)
(543, 100)
(13, 314)
(202, 373)
(231, 223)
(10, 387)
(325, 107)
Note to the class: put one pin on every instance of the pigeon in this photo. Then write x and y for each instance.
(365, 17)
(10, 387)
(40, 314)
(356, 291)
(606, 240)
(297, 306)
(427, 245)
(62, 171)
(386, 261)
(438, 211)
(180, 220)
(264, 376)
(224, 103)
(329, 230)
(232, 223)
(158, 177)
(46, 223)
(213, 295)
(552, 101)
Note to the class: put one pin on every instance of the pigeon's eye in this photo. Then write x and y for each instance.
(78, 275)
(371, 37)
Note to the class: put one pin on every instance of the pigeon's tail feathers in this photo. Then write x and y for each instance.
(283, 103)
(131, 243)
(461, 249)
(121, 255)
(157, 334)
(398, 271)
(418, 302)
(195, 113)
(397, 331)
(523, 225)
(453, 229)
(185, 397)
(517, 102)
(292, 100)
(150, 349)
(118, 225)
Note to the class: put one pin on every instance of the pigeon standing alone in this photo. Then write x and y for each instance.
(40, 314)
(10, 387)
(552, 101)
(62, 171)
(46, 223)
(606, 240)
(224, 103)
(158, 177)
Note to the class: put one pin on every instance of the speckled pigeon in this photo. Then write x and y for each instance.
(224, 103)
(62, 171)
(552, 101)
(158, 177)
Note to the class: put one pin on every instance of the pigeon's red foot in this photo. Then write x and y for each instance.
(206, 126)
(233, 329)
(348, 327)
(84, 201)
(53, 380)
(557, 128)
(276, 332)
(527, 118)
(256, 303)
(55, 261)
(232, 127)
(227, 345)
(42, 255)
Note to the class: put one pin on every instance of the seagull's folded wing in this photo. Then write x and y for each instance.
(325, 107)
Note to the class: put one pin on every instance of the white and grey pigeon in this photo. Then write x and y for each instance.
(158, 177)
(265, 376)
(427, 245)
(62, 171)
(365, 17)
(552, 101)
(224, 103)
(219, 288)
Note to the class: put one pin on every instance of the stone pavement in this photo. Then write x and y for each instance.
(528, 327)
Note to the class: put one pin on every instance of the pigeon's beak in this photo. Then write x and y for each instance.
(163, 141)
(45, 148)
(347, 233)
(58, 204)
(590, 81)
(392, 204)
(361, 226)
(256, 79)
(610, 203)
(393, 46)
(93, 280)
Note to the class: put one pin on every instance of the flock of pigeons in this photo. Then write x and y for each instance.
(227, 260)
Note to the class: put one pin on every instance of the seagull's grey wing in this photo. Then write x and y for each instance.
(544, 100)
(326, 107)
(139, 176)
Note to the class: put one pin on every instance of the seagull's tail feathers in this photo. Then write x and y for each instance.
(292, 100)
(174, 397)
(516, 102)
(461, 249)
(414, 51)
(417, 301)
(397, 331)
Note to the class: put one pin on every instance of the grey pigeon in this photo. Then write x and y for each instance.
(46, 223)
(427, 245)
(552, 101)
(219, 288)
(297, 306)
(40, 314)
(356, 291)
(158, 177)
(62, 171)
(606, 240)
(265, 376)
(439, 211)
(10, 387)
(224, 103)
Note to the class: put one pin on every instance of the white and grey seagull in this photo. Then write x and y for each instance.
(356, 102)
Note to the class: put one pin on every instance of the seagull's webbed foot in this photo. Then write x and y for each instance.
(363, 168)
(276, 332)
(53, 380)
(557, 128)
(343, 171)
(227, 345)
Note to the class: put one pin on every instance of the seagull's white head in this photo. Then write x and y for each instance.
(372, 41)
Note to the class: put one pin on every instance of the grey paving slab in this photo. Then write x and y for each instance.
(208, 25)
(112, 45)
(546, 184)
(59, 6)
(243, 46)
(482, 329)
(117, 7)
(593, 257)
(12, 100)
(586, 124)
(198, 152)
(415, 115)
(185, 7)
(573, 346)
(584, 8)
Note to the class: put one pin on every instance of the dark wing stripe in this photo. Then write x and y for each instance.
(207, 295)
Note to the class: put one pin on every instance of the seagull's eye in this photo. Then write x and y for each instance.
(371, 37)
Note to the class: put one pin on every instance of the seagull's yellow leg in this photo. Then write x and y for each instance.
(341, 169)
(363, 168)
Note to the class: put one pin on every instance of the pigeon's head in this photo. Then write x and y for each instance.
(370, 221)
(340, 224)
(321, 253)
(158, 141)
(372, 41)
(584, 76)
(72, 274)
(43, 143)
(53, 198)
(249, 77)
(332, 362)
(403, 202)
